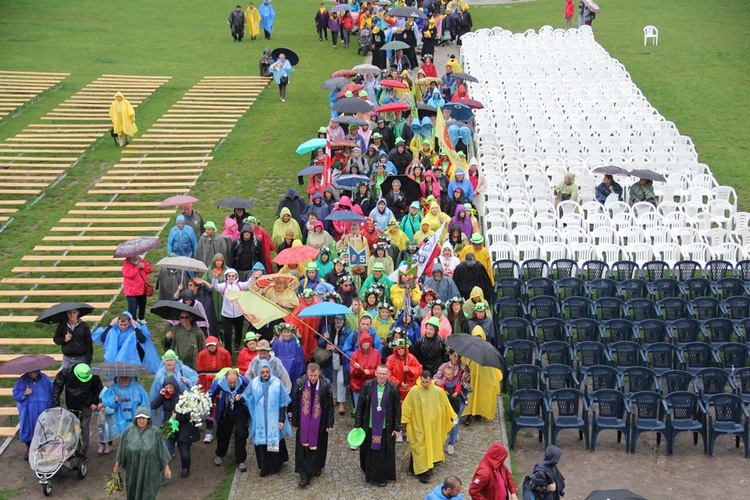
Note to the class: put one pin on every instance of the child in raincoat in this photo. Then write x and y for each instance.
(123, 397)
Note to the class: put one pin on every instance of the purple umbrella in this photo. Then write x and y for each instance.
(174, 201)
(136, 246)
(27, 363)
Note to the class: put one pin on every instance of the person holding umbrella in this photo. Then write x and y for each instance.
(81, 396)
(74, 336)
(606, 188)
(136, 286)
(127, 341)
(33, 395)
(124, 396)
(643, 190)
(485, 382)
(281, 69)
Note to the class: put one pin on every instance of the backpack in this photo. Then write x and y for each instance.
(526, 492)
(463, 20)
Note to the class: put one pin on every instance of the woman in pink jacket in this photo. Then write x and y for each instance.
(135, 271)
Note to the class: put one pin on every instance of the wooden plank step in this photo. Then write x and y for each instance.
(8, 431)
(106, 229)
(24, 184)
(121, 212)
(38, 138)
(127, 220)
(9, 411)
(41, 158)
(8, 171)
(158, 168)
(12, 202)
(26, 340)
(21, 191)
(67, 269)
(200, 120)
(56, 293)
(70, 258)
(166, 151)
(8, 357)
(8, 210)
(41, 73)
(198, 159)
(137, 191)
(15, 175)
(117, 203)
(41, 306)
(62, 281)
(11, 151)
(5, 392)
(74, 248)
(165, 175)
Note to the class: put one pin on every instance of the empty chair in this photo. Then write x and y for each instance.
(647, 411)
(732, 356)
(673, 308)
(563, 268)
(594, 269)
(741, 379)
(624, 354)
(514, 329)
(703, 308)
(576, 307)
(685, 330)
(570, 287)
(616, 330)
(654, 270)
(742, 270)
(548, 329)
(651, 33)
(632, 289)
(728, 287)
(696, 356)
(664, 288)
(640, 309)
(661, 357)
(686, 269)
(528, 410)
(726, 414)
(558, 376)
(583, 329)
(519, 352)
(601, 288)
(508, 307)
(534, 268)
(638, 378)
(556, 352)
(711, 381)
(675, 380)
(608, 413)
(609, 308)
(623, 270)
(601, 377)
(542, 306)
(568, 410)
(509, 287)
(588, 354)
(718, 331)
(524, 377)
(695, 287)
(736, 308)
(686, 413)
(650, 331)
(714, 270)
(539, 286)
(506, 268)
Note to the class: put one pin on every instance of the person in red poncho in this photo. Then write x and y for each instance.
(404, 367)
(248, 353)
(362, 367)
(493, 480)
(266, 244)
(211, 360)
(306, 326)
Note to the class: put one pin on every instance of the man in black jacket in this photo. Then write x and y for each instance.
(74, 336)
(246, 251)
(469, 274)
(430, 349)
(81, 396)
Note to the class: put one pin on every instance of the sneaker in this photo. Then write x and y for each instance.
(242, 467)
(218, 461)
(107, 449)
(283, 100)
(354, 448)
(185, 473)
(121, 141)
(100, 449)
(209, 437)
(142, 321)
(399, 438)
(450, 450)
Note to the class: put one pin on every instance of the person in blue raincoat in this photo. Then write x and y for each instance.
(382, 215)
(267, 16)
(312, 278)
(127, 341)
(282, 70)
(182, 241)
(287, 349)
(406, 321)
(436, 101)
(33, 395)
(461, 181)
(267, 402)
(124, 397)
(171, 366)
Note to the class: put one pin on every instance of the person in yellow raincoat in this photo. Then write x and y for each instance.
(283, 223)
(429, 417)
(252, 20)
(477, 296)
(397, 236)
(480, 252)
(123, 118)
(435, 219)
(485, 385)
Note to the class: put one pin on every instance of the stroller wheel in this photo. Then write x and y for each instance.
(83, 468)
(47, 489)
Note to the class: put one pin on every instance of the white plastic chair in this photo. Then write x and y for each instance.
(650, 33)
(498, 234)
(502, 250)
(522, 234)
(528, 250)
(641, 252)
(583, 252)
(699, 252)
(668, 252)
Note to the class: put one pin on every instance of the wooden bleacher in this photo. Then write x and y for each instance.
(20, 88)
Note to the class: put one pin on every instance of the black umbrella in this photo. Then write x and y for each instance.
(27, 363)
(311, 170)
(345, 215)
(236, 203)
(610, 170)
(648, 174)
(171, 309)
(58, 312)
(338, 82)
(118, 369)
(346, 120)
(614, 495)
(136, 246)
(409, 12)
(410, 187)
(352, 105)
(466, 77)
(425, 110)
(291, 55)
(474, 348)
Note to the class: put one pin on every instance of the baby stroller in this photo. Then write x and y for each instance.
(365, 41)
(57, 443)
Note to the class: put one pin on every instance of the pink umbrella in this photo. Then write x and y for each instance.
(136, 246)
(471, 103)
(174, 201)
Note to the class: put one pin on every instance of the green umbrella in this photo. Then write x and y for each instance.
(311, 145)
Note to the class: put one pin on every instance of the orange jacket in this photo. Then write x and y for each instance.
(396, 365)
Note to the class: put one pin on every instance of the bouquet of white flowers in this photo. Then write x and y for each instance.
(195, 403)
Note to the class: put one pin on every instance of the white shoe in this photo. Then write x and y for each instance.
(121, 141)
(354, 448)
(100, 449)
(107, 449)
(450, 450)
(209, 437)
(399, 438)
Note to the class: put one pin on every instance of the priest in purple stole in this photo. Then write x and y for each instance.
(379, 414)
(312, 419)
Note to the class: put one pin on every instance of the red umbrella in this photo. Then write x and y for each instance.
(394, 84)
(27, 363)
(354, 88)
(343, 144)
(174, 201)
(392, 107)
(136, 246)
(471, 103)
(295, 255)
(346, 73)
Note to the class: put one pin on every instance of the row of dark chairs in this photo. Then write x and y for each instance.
(642, 411)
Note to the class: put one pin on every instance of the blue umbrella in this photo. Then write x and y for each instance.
(311, 145)
(460, 112)
(345, 215)
(341, 7)
(311, 170)
(352, 180)
(324, 309)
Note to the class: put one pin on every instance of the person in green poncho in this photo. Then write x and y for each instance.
(567, 189)
(144, 455)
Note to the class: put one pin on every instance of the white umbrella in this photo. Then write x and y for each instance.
(366, 68)
(184, 264)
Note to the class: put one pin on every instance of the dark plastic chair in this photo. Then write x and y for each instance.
(736, 307)
(609, 308)
(601, 377)
(664, 288)
(742, 329)
(725, 414)
(528, 410)
(695, 287)
(675, 380)
(686, 269)
(508, 287)
(616, 330)
(741, 379)
(507, 308)
(557, 352)
(623, 270)
(632, 289)
(640, 309)
(563, 268)
(686, 414)
(661, 357)
(654, 270)
(558, 377)
(673, 308)
(535, 287)
(548, 329)
(742, 270)
(519, 352)
(514, 329)
(732, 356)
(714, 270)
(712, 381)
(569, 409)
(638, 378)
(647, 410)
(652, 330)
(570, 287)
(534, 268)
(703, 308)
(601, 288)
(505, 268)
(523, 377)
(718, 331)
(608, 410)
(576, 307)
(728, 287)
(583, 329)
(625, 354)
(594, 270)
(588, 354)
(684, 331)
(543, 306)
(696, 356)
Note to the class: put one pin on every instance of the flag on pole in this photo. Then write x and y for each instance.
(444, 141)
(429, 251)
(327, 174)
(414, 101)
(257, 309)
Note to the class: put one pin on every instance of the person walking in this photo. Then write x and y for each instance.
(347, 25)
(281, 71)
(547, 482)
(123, 119)
(492, 478)
(81, 396)
(252, 21)
(321, 22)
(74, 336)
(136, 286)
(231, 417)
(334, 26)
(236, 22)
(267, 17)
(33, 395)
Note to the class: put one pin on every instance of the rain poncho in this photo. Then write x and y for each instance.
(485, 383)
(436, 220)
(445, 287)
(449, 263)
(267, 16)
(464, 184)
(477, 295)
(130, 397)
(291, 356)
(280, 69)
(252, 20)
(436, 101)
(325, 267)
(462, 222)
(280, 227)
(410, 224)
(643, 192)
(381, 218)
(180, 370)
(182, 242)
(264, 400)
(122, 346)
(123, 116)
(144, 455)
(567, 191)
(31, 406)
